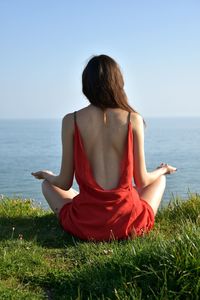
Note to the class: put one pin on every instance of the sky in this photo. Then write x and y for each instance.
(45, 45)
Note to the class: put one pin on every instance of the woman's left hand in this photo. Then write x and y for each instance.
(41, 174)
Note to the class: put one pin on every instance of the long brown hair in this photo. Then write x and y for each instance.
(103, 84)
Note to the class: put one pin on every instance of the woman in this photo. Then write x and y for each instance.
(103, 145)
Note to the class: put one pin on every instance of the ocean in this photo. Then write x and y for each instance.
(30, 145)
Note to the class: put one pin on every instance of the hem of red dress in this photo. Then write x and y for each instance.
(149, 206)
(152, 217)
(60, 214)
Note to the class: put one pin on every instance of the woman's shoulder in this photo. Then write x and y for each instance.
(137, 121)
(68, 119)
(68, 123)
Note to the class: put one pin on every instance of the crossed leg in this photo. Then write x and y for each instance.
(57, 197)
(153, 193)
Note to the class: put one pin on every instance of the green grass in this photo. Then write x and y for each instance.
(38, 260)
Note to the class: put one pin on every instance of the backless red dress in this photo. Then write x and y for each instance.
(97, 214)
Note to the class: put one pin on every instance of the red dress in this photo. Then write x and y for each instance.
(101, 215)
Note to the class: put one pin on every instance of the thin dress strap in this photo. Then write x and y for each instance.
(129, 117)
(75, 117)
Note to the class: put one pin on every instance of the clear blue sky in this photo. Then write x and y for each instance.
(45, 45)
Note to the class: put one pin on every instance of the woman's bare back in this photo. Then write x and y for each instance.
(104, 143)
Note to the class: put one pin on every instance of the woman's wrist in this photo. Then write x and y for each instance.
(163, 169)
(167, 169)
(49, 176)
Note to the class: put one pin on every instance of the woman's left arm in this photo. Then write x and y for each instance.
(65, 179)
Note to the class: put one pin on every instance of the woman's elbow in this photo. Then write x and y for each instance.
(141, 183)
(64, 185)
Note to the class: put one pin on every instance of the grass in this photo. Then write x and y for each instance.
(38, 260)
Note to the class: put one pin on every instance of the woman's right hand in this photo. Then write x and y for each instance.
(169, 169)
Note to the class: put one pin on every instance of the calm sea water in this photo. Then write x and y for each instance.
(32, 145)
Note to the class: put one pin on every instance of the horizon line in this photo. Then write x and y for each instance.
(58, 118)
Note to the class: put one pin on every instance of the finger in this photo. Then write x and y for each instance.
(35, 174)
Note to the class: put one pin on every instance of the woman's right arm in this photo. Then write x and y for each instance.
(143, 178)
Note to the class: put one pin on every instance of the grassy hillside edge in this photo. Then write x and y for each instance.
(38, 260)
